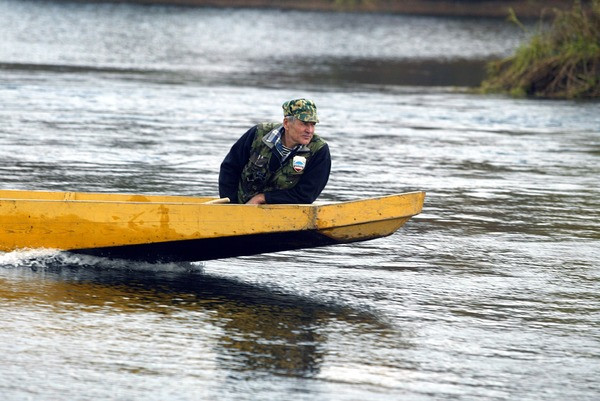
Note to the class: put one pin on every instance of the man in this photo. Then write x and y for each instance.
(278, 163)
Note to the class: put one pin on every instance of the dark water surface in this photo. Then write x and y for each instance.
(491, 293)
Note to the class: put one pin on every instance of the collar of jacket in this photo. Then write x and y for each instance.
(275, 136)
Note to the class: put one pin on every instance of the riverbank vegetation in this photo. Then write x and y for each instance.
(561, 60)
(463, 8)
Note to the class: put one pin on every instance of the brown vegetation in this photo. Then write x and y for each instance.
(561, 61)
(474, 8)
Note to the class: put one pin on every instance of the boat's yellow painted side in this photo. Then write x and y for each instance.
(364, 231)
(369, 210)
(70, 221)
(88, 224)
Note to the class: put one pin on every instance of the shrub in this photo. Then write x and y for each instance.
(562, 59)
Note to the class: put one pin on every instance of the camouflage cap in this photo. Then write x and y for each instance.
(303, 109)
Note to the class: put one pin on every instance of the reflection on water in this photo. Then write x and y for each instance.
(255, 328)
(211, 46)
(491, 293)
(349, 72)
(339, 72)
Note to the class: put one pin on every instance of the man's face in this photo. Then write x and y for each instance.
(297, 132)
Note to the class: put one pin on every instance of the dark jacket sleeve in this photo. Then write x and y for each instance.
(313, 180)
(233, 164)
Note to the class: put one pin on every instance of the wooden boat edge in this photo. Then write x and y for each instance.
(328, 223)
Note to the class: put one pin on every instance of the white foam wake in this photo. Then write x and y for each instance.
(52, 258)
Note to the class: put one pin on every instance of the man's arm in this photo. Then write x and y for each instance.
(233, 164)
(313, 180)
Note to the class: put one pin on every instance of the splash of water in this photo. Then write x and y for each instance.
(44, 258)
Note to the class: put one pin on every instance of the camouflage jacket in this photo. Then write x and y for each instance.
(257, 177)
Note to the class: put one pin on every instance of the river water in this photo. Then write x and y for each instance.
(491, 293)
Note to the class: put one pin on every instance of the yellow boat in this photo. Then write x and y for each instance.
(159, 228)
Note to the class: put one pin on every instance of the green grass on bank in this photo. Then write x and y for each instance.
(562, 59)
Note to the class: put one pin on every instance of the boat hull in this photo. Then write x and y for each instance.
(171, 228)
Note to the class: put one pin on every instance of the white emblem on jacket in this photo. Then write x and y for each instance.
(299, 162)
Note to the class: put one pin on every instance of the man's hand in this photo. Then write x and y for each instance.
(257, 199)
